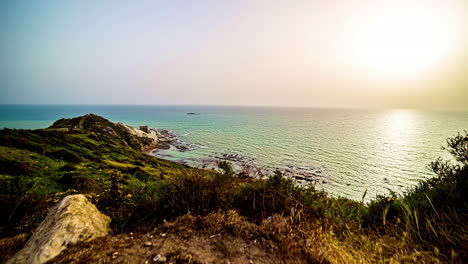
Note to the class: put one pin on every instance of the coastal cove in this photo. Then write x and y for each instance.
(349, 150)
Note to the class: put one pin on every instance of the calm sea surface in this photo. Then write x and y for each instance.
(354, 150)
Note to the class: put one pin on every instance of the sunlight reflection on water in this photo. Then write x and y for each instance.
(354, 149)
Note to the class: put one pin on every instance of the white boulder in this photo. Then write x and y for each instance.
(138, 132)
(74, 219)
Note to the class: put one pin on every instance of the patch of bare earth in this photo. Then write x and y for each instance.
(216, 238)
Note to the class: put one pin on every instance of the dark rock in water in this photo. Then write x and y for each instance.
(241, 163)
(246, 166)
(167, 138)
(119, 132)
(235, 157)
(297, 177)
(144, 129)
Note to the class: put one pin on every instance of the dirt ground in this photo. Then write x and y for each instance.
(155, 247)
(189, 240)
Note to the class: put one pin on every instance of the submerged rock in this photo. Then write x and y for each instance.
(74, 219)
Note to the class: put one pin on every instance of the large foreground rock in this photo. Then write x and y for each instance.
(73, 219)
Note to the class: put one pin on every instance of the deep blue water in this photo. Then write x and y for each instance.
(354, 150)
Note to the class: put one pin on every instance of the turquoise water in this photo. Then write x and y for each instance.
(354, 150)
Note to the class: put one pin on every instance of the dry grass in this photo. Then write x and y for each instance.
(225, 236)
(300, 240)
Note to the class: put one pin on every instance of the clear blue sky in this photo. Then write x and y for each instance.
(293, 53)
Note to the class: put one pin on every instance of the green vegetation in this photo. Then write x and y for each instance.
(36, 164)
(39, 167)
(434, 213)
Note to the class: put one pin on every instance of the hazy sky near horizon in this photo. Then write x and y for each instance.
(322, 53)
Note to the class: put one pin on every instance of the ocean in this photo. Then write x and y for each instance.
(349, 150)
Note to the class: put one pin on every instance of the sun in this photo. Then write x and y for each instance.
(400, 43)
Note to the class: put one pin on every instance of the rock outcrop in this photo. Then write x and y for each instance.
(74, 219)
(119, 132)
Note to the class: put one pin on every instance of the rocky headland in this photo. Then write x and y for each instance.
(119, 132)
(155, 140)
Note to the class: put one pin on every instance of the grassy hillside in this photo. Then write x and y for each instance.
(39, 167)
(36, 165)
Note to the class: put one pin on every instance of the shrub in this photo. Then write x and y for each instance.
(64, 154)
(17, 141)
(435, 212)
(226, 168)
(14, 167)
(141, 174)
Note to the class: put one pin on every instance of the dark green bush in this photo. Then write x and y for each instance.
(140, 174)
(63, 154)
(17, 141)
(226, 168)
(68, 167)
(14, 167)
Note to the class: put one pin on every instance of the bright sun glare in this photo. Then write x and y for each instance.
(401, 43)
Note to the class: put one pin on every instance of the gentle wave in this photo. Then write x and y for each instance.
(354, 149)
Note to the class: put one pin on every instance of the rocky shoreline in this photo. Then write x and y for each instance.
(157, 142)
(168, 139)
(241, 163)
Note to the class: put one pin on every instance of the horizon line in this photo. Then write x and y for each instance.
(247, 106)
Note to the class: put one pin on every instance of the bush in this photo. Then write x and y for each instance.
(14, 167)
(17, 141)
(435, 212)
(226, 168)
(63, 154)
(141, 174)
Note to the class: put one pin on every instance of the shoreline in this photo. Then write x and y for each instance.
(147, 150)
(241, 164)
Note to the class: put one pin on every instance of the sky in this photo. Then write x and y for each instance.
(322, 53)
